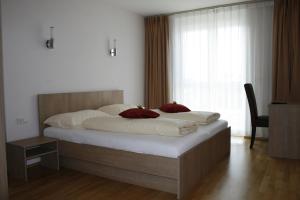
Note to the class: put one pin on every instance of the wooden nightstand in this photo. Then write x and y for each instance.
(19, 152)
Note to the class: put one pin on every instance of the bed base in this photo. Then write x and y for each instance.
(179, 176)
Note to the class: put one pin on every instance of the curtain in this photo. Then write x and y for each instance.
(214, 52)
(156, 61)
(286, 51)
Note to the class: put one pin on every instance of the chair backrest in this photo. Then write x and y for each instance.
(252, 102)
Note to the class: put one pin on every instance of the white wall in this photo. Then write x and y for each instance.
(80, 60)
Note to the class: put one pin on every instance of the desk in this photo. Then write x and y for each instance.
(284, 131)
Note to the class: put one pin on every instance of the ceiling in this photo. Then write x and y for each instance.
(155, 7)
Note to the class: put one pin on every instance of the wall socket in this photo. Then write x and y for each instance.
(21, 121)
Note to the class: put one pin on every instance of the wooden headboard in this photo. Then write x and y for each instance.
(51, 104)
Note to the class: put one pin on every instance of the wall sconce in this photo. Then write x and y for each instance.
(50, 42)
(113, 50)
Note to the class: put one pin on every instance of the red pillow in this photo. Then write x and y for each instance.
(139, 113)
(174, 108)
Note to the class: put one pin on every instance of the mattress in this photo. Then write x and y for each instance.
(165, 146)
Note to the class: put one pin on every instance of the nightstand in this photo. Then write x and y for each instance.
(19, 152)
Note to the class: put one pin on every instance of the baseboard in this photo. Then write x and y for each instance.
(257, 138)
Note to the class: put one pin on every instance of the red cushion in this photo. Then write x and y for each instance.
(139, 113)
(174, 108)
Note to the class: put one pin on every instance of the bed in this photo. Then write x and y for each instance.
(162, 167)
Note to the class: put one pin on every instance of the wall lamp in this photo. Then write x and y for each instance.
(113, 49)
(50, 42)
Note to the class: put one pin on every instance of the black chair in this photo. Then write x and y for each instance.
(256, 121)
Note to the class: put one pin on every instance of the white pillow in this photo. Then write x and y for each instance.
(73, 119)
(115, 109)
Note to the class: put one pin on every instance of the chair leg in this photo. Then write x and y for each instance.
(253, 136)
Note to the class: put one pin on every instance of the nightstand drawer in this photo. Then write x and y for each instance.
(40, 150)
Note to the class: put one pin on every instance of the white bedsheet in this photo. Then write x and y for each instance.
(165, 146)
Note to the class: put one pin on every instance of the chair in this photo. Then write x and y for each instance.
(256, 121)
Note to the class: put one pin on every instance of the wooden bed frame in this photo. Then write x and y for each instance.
(174, 175)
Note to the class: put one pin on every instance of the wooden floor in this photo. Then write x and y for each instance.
(247, 174)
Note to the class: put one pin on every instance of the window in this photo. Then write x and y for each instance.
(214, 52)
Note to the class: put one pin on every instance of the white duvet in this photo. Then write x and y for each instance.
(200, 117)
(156, 126)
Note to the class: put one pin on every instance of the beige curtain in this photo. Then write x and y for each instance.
(156, 61)
(286, 51)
